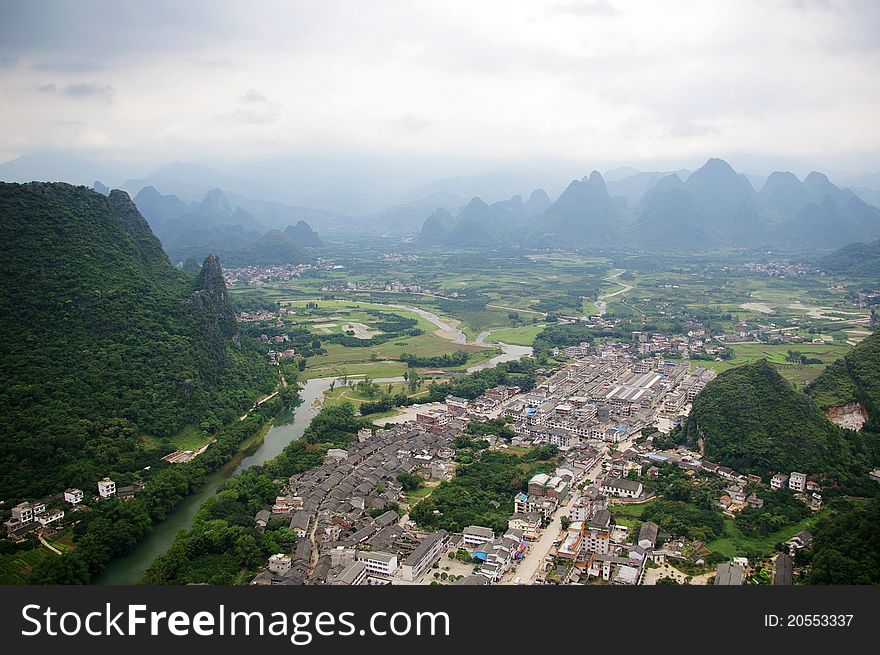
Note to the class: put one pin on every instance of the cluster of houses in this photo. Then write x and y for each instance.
(258, 276)
(341, 508)
(29, 516)
(608, 395)
(804, 489)
(596, 548)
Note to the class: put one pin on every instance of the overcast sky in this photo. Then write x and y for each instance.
(507, 80)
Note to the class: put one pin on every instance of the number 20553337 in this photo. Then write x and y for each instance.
(808, 620)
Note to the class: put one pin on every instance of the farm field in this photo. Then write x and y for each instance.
(15, 567)
(775, 354)
(517, 336)
(379, 360)
(509, 295)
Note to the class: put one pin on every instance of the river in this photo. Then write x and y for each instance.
(130, 568)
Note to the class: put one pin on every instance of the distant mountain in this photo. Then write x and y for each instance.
(104, 342)
(717, 207)
(279, 216)
(191, 182)
(634, 186)
(158, 208)
(407, 217)
(436, 228)
(101, 188)
(55, 167)
(784, 194)
(830, 224)
(537, 203)
(855, 259)
(727, 202)
(482, 225)
(272, 249)
(494, 186)
(303, 234)
(213, 225)
(478, 224)
(714, 207)
(753, 420)
(584, 215)
(669, 217)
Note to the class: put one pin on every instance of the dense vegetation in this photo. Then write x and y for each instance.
(482, 493)
(856, 259)
(855, 378)
(106, 350)
(846, 546)
(446, 360)
(685, 519)
(223, 545)
(521, 373)
(780, 509)
(113, 527)
(751, 419)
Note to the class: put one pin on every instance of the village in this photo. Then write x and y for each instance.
(42, 516)
(599, 412)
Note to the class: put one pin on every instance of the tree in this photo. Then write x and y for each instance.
(408, 481)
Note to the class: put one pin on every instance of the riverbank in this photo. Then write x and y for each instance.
(130, 568)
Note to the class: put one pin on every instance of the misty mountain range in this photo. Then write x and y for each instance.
(195, 210)
(215, 225)
(713, 207)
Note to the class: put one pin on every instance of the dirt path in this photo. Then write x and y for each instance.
(257, 404)
(49, 546)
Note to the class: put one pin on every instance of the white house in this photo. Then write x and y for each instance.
(474, 535)
(106, 488)
(377, 562)
(280, 564)
(621, 488)
(73, 496)
(779, 481)
(45, 518)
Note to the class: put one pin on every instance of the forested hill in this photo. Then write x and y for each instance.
(106, 350)
(754, 421)
(854, 378)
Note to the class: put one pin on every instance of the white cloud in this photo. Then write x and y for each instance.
(621, 80)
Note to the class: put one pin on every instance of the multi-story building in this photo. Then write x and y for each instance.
(779, 481)
(474, 535)
(425, 554)
(378, 563)
(73, 496)
(280, 564)
(47, 517)
(797, 481)
(106, 488)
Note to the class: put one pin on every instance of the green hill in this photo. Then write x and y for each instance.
(751, 419)
(854, 378)
(106, 350)
(274, 248)
(856, 259)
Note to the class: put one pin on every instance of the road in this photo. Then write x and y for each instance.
(533, 562)
(257, 404)
(601, 305)
(518, 309)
